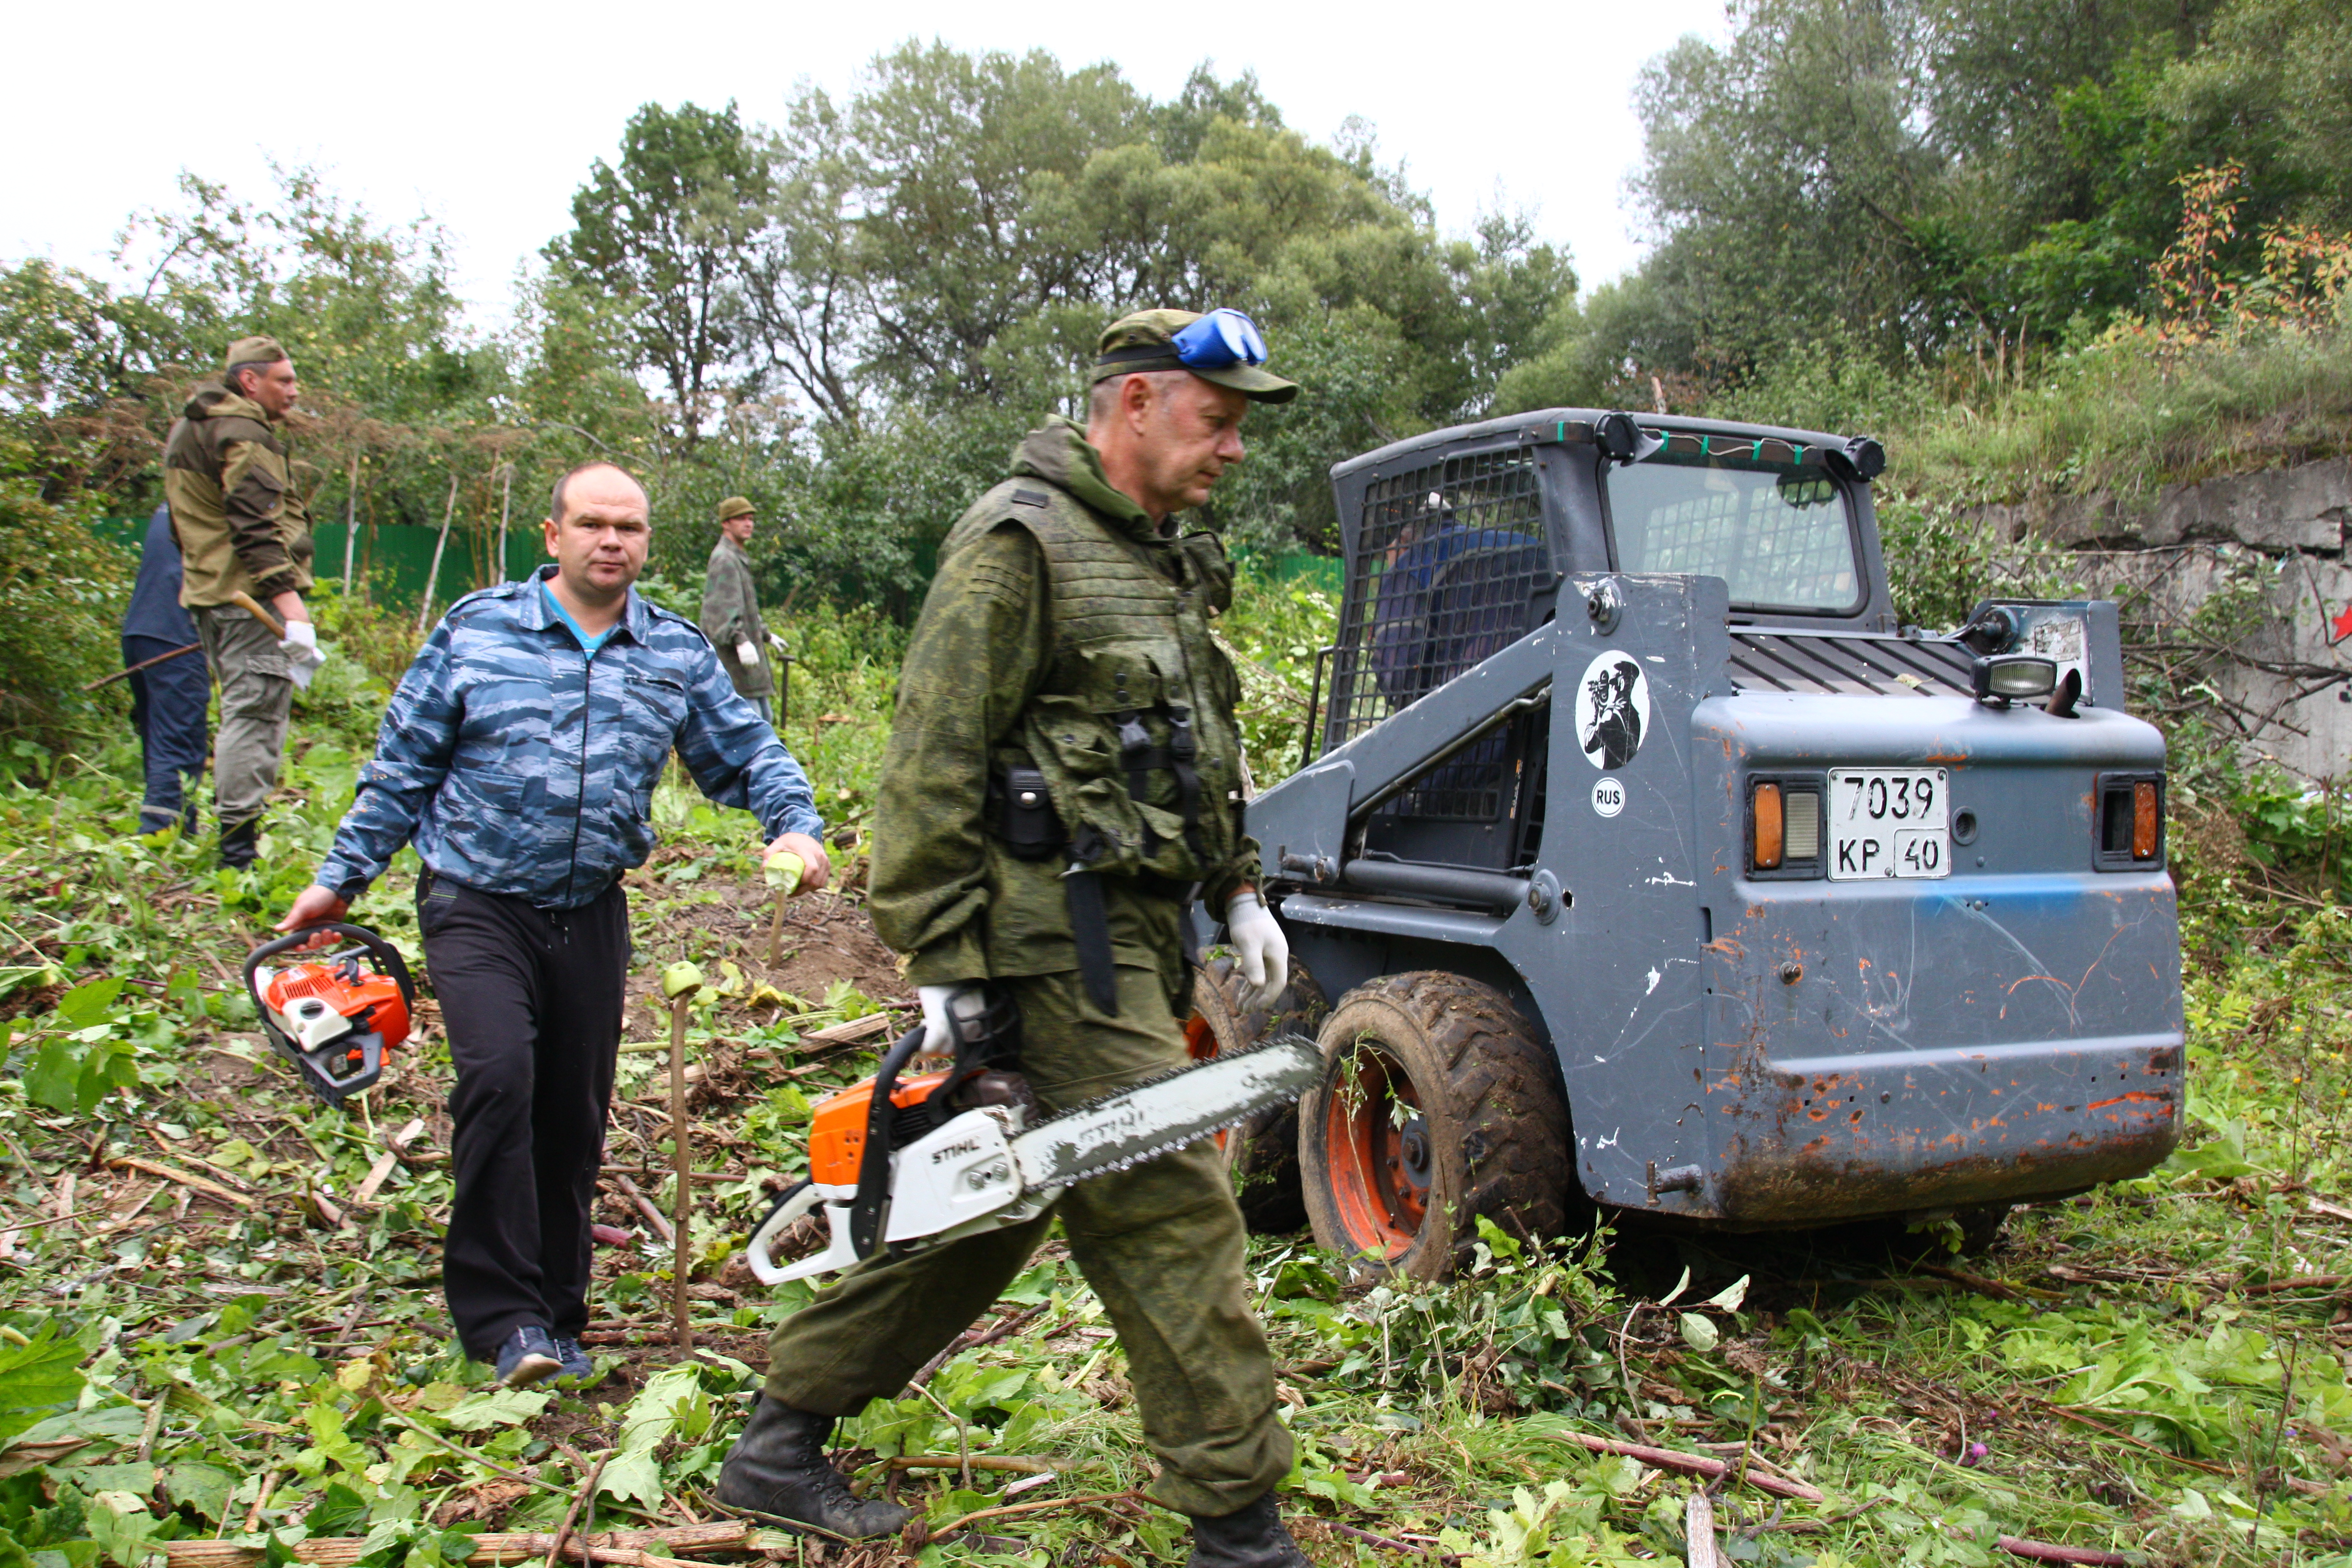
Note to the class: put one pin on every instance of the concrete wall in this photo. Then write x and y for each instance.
(2273, 654)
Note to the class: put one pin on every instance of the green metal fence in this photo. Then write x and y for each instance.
(392, 561)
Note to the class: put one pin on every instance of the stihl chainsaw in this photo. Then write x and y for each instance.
(333, 1016)
(948, 1154)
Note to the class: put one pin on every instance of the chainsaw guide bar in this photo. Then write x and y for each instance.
(984, 1169)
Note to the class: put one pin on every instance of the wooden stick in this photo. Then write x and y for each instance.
(366, 1191)
(1382, 1542)
(2298, 1282)
(128, 672)
(682, 1157)
(350, 520)
(624, 1546)
(978, 1462)
(171, 1174)
(1699, 1531)
(956, 1524)
(260, 1501)
(644, 1205)
(1689, 1464)
(254, 607)
(2045, 1551)
(433, 573)
(776, 931)
(571, 1514)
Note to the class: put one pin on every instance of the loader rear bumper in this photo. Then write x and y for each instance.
(1844, 1136)
(1888, 1048)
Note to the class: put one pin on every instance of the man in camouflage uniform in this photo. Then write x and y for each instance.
(731, 608)
(1067, 633)
(243, 528)
(520, 755)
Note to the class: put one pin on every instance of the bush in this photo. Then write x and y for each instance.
(62, 591)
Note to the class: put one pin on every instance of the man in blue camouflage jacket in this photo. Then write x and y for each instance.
(520, 756)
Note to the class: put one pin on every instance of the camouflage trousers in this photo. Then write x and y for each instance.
(1161, 1244)
(257, 695)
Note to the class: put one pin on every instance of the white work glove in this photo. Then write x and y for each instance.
(303, 655)
(777, 643)
(1261, 948)
(747, 654)
(939, 1039)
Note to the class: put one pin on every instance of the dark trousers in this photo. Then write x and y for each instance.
(532, 1002)
(167, 707)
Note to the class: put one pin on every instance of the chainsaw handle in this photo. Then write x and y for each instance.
(874, 1161)
(378, 949)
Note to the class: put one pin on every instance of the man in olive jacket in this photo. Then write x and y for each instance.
(1066, 640)
(243, 528)
(731, 608)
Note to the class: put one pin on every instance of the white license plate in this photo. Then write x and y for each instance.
(1888, 822)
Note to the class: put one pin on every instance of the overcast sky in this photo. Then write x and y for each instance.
(487, 116)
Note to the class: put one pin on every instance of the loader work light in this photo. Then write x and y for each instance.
(2013, 678)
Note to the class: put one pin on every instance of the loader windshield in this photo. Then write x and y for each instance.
(1778, 533)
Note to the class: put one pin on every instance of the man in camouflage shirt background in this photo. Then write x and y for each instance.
(520, 755)
(731, 608)
(243, 527)
(1064, 653)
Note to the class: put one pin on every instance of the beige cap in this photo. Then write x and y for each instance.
(252, 350)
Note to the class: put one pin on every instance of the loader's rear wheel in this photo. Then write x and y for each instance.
(1262, 1153)
(1436, 1107)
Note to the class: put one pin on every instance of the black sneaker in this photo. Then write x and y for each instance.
(577, 1366)
(527, 1356)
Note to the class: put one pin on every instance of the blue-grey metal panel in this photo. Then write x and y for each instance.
(2010, 1030)
(1616, 973)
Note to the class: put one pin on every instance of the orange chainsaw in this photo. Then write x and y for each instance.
(334, 1015)
(909, 1163)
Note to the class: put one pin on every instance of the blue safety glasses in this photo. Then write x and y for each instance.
(1218, 339)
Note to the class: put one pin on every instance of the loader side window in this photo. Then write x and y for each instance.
(1779, 533)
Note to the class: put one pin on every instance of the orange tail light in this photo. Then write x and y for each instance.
(1769, 827)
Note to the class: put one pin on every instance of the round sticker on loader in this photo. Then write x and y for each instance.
(1608, 797)
(1612, 708)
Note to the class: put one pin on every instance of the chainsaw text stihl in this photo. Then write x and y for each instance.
(950, 1154)
(333, 1016)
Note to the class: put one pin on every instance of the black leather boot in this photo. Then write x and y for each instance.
(778, 1467)
(240, 844)
(1252, 1537)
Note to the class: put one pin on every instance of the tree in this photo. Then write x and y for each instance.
(668, 233)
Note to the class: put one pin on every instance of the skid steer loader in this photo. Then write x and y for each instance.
(1648, 862)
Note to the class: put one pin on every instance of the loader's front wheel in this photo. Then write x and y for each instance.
(1261, 1153)
(1436, 1107)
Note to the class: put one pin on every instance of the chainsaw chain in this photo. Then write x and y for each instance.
(1174, 1141)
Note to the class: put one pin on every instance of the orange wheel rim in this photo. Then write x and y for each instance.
(1201, 1044)
(1380, 1157)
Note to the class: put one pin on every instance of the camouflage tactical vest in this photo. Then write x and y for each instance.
(1133, 726)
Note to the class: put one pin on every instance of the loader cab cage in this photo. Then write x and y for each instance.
(1449, 561)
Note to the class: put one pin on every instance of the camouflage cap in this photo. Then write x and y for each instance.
(252, 350)
(734, 506)
(1127, 345)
